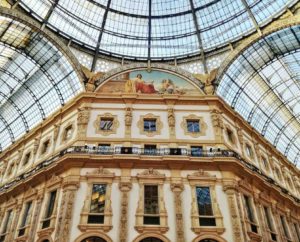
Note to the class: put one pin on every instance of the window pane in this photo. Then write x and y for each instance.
(98, 198)
(7, 222)
(196, 150)
(150, 125)
(193, 126)
(151, 200)
(26, 214)
(249, 209)
(51, 204)
(106, 123)
(204, 201)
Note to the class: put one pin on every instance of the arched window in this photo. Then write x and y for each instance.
(208, 240)
(93, 239)
(151, 239)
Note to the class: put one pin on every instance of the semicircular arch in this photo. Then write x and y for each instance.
(154, 67)
(151, 235)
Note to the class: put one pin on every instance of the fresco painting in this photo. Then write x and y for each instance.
(144, 82)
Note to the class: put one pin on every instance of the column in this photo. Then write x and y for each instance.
(125, 187)
(14, 224)
(35, 218)
(177, 189)
(238, 233)
(70, 187)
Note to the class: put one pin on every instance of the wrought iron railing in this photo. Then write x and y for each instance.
(103, 150)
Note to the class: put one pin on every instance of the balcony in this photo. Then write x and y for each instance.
(147, 152)
(109, 151)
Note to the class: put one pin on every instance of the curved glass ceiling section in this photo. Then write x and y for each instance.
(35, 80)
(154, 29)
(263, 85)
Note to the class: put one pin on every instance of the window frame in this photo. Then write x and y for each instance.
(205, 216)
(104, 177)
(202, 178)
(25, 218)
(250, 212)
(151, 177)
(158, 124)
(99, 214)
(106, 132)
(202, 125)
(150, 216)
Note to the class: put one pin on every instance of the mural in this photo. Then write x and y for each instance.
(154, 82)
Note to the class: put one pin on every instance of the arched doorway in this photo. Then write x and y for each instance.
(208, 240)
(93, 239)
(151, 239)
(45, 240)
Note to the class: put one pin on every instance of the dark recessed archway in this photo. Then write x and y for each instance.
(151, 239)
(93, 239)
(208, 240)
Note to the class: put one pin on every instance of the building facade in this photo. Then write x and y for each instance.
(147, 155)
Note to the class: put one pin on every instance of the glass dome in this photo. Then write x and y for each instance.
(263, 85)
(36, 79)
(154, 29)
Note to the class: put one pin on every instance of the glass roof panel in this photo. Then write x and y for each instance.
(128, 28)
(263, 85)
(35, 79)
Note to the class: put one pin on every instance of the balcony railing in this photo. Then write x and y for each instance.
(150, 152)
(106, 150)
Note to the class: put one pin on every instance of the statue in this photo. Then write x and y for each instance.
(171, 117)
(207, 80)
(91, 78)
(128, 116)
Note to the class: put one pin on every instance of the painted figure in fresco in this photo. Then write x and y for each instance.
(139, 85)
(167, 86)
(142, 87)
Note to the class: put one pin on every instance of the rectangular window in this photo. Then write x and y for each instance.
(193, 126)
(26, 159)
(205, 210)
(25, 218)
(249, 151)
(97, 207)
(150, 149)
(45, 146)
(285, 227)
(10, 169)
(196, 150)
(265, 162)
(49, 210)
(68, 133)
(151, 206)
(230, 136)
(104, 148)
(270, 223)
(7, 222)
(250, 214)
(106, 123)
(150, 125)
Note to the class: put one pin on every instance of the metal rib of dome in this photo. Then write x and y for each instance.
(154, 29)
(263, 85)
(35, 79)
